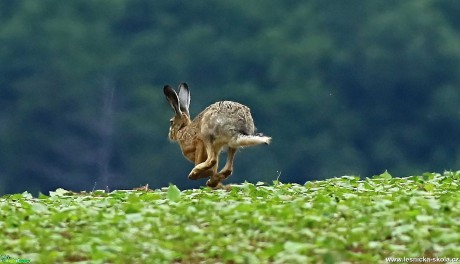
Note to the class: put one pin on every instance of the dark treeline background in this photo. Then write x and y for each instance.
(343, 87)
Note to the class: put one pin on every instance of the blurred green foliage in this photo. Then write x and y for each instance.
(343, 87)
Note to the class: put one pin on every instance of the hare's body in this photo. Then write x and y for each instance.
(221, 124)
(226, 123)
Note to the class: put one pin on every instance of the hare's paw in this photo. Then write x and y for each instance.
(203, 170)
(216, 180)
(213, 183)
(219, 186)
(196, 174)
(223, 174)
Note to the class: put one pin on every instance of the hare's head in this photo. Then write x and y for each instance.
(180, 104)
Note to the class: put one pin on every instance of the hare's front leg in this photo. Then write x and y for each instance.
(226, 170)
(200, 157)
(209, 163)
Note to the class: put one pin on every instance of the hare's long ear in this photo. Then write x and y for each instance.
(173, 99)
(184, 98)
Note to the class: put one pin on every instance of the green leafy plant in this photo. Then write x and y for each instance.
(341, 219)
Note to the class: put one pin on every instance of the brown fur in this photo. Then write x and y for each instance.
(221, 124)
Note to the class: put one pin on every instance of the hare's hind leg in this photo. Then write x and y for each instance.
(226, 170)
(208, 164)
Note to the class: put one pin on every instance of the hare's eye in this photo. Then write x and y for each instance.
(171, 121)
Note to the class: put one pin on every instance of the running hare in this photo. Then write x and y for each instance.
(221, 124)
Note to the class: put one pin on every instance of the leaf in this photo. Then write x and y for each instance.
(424, 218)
(429, 187)
(174, 193)
(395, 247)
(434, 204)
(59, 192)
(132, 208)
(27, 195)
(428, 175)
(16, 196)
(134, 217)
(329, 258)
(449, 238)
(385, 175)
(374, 244)
(42, 196)
(403, 229)
(193, 229)
(40, 208)
(293, 247)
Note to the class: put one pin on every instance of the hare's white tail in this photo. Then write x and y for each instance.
(249, 140)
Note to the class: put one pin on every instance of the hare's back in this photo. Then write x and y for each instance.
(227, 118)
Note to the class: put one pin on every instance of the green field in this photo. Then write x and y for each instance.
(345, 219)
